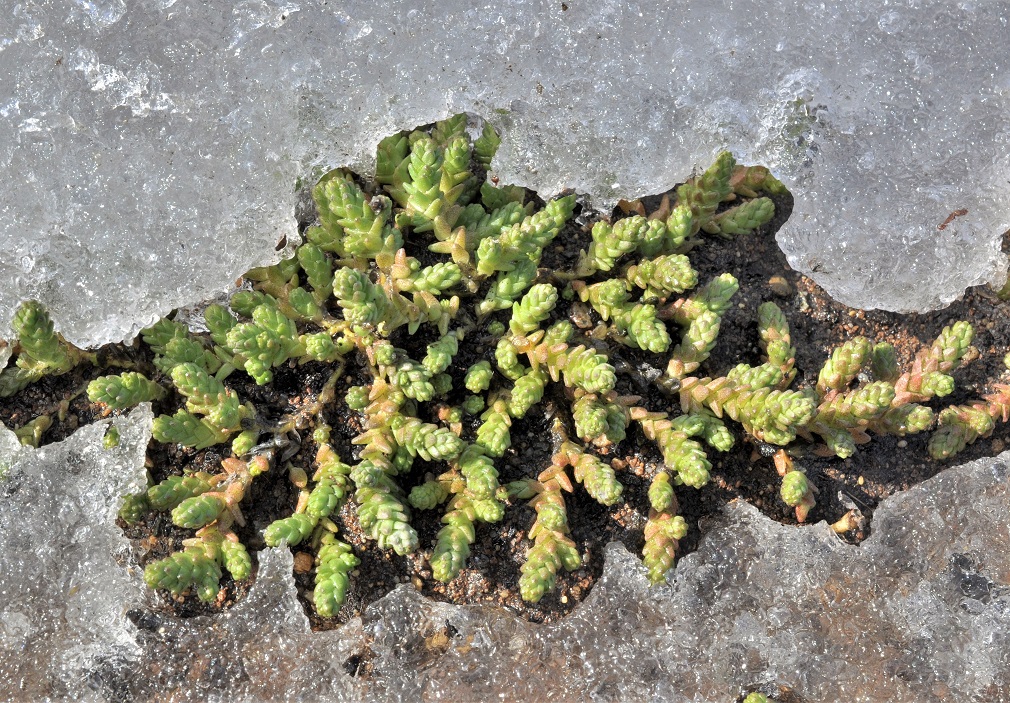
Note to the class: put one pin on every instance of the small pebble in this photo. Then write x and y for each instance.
(804, 303)
(303, 563)
(780, 286)
(998, 445)
(439, 640)
(860, 481)
(902, 443)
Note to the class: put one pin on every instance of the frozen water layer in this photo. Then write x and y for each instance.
(153, 150)
(919, 611)
(64, 585)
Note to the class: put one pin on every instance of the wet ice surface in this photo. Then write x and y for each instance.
(64, 585)
(153, 149)
(919, 611)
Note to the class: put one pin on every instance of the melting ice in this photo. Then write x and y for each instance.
(919, 611)
(153, 150)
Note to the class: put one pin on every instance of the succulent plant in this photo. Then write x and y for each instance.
(40, 350)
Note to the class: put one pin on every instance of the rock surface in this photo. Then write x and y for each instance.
(153, 151)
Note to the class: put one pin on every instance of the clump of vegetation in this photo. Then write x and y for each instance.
(40, 350)
(397, 275)
(756, 697)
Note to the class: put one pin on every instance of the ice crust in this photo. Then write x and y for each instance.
(65, 586)
(920, 611)
(152, 151)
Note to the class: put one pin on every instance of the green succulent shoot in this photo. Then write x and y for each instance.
(40, 350)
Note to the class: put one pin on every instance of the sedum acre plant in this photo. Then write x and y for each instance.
(40, 350)
(757, 698)
(428, 282)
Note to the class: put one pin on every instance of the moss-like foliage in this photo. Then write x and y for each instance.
(397, 278)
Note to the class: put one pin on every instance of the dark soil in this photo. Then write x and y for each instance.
(818, 324)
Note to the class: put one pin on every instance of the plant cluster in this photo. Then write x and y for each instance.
(757, 698)
(429, 251)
